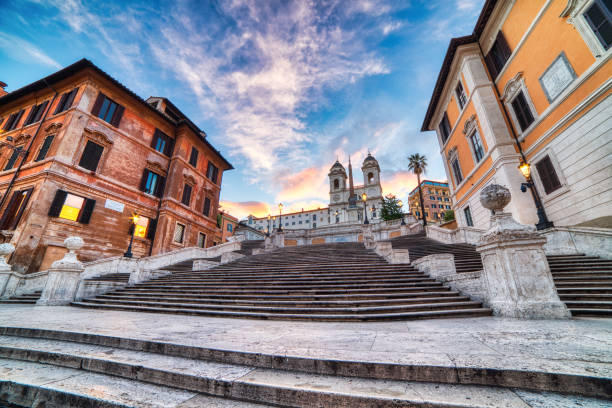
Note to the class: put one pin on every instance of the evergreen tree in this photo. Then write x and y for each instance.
(391, 209)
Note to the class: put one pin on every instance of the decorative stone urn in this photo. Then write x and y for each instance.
(64, 276)
(6, 250)
(516, 277)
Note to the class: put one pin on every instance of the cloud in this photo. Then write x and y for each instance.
(399, 184)
(25, 51)
(311, 182)
(245, 208)
(391, 26)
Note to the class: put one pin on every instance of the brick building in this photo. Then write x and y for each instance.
(81, 154)
(228, 225)
(436, 200)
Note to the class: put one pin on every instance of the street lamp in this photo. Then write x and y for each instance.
(401, 204)
(268, 232)
(364, 197)
(543, 222)
(134, 219)
(336, 216)
(280, 217)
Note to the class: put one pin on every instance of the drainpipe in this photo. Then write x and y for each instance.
(27, 152)
(543, 222)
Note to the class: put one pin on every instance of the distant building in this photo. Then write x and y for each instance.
(81, 154)
(228, 225)
(249, 233)
(345, 201)
(436, 200)
(532, 83)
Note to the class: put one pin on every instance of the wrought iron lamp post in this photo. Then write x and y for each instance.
(336, 216)
(401, 204)
(280, 217)
(268, 232)
(543, 222)
(128, 253)
(364, 197)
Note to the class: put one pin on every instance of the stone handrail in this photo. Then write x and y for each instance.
(468, 235)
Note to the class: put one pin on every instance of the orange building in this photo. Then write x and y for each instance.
(436, 200)
(81, 154)
(531, 84)
(228, 225)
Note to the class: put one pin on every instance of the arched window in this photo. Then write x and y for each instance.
(336, 184)
(370, 177)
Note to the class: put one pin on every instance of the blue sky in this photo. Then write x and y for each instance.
(282, 88)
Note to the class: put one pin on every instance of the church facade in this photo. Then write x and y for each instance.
(346, 204)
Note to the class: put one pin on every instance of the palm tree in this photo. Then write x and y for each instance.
(418, 165)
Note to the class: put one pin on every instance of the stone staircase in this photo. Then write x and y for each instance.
(327, 282)
(26, 298)
(418, 245)
(584, 283)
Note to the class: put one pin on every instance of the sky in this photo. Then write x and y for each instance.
(281, 88)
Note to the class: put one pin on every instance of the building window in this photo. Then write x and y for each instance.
(522, 111)
(432, 197)
(314, 217)
(36, 113)
(14, 156)
(201, 239)
(15, 208)
(477, 148)
(460, 93)
(71, 207)
(13, 120)
(206, 210)
(140, 229)
(65, 102)
(370, 177)
(42, 153)
(212, 173)
(193, 158)
(548, 175)
(179, 233)
(186, 199)
(444, 128)
(162, 143)
(599, 18)
(230, 228)
(468, 216)
(152, 183)
(498, 55)
(456, 170)
(91, 156)
(108, 110)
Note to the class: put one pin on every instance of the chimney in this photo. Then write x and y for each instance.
(2, 91)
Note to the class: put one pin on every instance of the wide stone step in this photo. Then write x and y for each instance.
(147, 379)
(286, 282)
(580, 273)
(585, 297)
(582, 268)
(589, 311)
(305, 317)
(296, 287)
(299, 276)
(582, 283)
(294, 310)
(442, 292)
(589, 304)
(585, 290)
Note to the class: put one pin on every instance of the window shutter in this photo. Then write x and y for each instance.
(169, 147)
(41, 111)
(10, 209)
(186, 199)
(30, 118)
(60, 105)
(215, 174)
(11, 161)
(96, 108)
(91, 156)
(143, 180)
(548, 175)
(87, 211)
(117, 116)
(491, 65)
(159, 190)
(57, 203)
(24, 204)
(206, 206)
(154, 139)
(42, 153)
(17, 119)
(193, 158)
(70, 99)
(504, 48)
(152, 228)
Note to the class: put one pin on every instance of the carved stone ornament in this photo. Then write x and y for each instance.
(21, 139)
(495, 197)
(572, 8)
(54, 127)
(470, 125)
(156, 167)
(98, 137)
(452, 153)
(512, 86)
(189, 179)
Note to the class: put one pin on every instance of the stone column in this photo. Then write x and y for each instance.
(516, 277)
(5, 269)
(64, 276)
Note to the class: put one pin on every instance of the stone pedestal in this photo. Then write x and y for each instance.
(5, 270)
(275, 240)
(436, 265)
(64, 276)
(368, 236)
(516, 278)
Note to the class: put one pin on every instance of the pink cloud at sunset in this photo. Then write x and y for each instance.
(399, 184)
(310, 183)
(260, 209)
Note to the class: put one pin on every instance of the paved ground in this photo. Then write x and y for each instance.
(577, 346)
